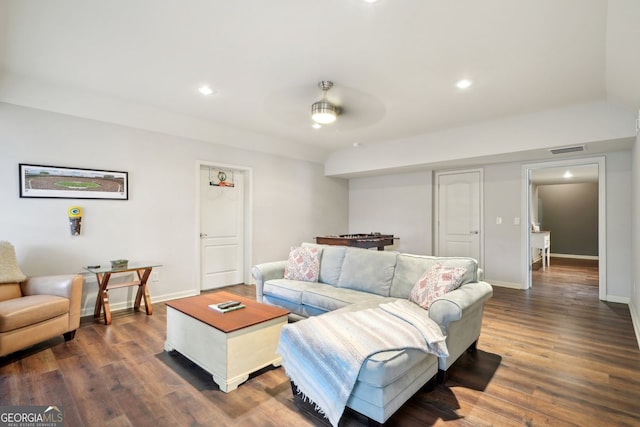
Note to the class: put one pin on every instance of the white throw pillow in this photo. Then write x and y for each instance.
(303, 264)
(9, 270)
(435, 282)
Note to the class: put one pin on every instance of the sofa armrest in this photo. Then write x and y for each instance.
(451, 306)
(67, 286)
(266, 271)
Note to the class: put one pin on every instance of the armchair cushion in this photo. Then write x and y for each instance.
(9, 291)
(20, 312)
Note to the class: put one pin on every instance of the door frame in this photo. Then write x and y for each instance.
(247, 172)
(436, 206)
(602, 216)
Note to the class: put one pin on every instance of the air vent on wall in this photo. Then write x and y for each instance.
(564, 150)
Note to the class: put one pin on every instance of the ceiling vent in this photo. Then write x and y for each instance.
(563, 150)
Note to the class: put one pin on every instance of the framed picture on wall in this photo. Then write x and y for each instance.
(40, 181)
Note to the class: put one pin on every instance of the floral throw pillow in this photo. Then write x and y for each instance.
(435, 282)
(303, 264)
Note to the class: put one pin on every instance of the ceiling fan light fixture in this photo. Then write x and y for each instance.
(323, 111)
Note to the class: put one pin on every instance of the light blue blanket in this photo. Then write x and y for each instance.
(322, 355)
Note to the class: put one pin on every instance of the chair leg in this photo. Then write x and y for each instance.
(68, 336)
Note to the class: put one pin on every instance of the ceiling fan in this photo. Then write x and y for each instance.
(323, 111)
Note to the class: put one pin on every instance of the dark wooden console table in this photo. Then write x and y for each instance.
(366, 241)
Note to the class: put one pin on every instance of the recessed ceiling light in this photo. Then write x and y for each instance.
(316, 125)
(370, 1)
(567, 175)
(464, 83)
(205, 90)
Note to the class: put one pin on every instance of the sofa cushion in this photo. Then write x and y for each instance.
(10, 291)
(19, 312)
(384, 368)
(303, 264)
(290, 290)
(368, 271)
(409, 268)
(329, 298)
(330, 262)
(435, 282)
(383, 395)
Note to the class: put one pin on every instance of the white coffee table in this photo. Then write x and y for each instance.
(229, 346)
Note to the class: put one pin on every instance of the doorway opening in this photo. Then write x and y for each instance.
(538, 174)
(223, 238)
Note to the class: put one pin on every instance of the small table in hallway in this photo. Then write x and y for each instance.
(103, 275)
(542, 240)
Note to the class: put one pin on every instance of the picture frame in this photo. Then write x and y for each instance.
(59, 182)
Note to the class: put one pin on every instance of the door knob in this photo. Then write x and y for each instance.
(203, 235)
(473, 232)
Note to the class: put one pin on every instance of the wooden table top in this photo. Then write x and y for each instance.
(254, 312)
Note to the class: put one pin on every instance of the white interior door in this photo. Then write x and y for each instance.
(458, 214)
(221, 229)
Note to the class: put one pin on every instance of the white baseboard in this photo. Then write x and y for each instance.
(635, 319)
(614, 298)
(88, 311)
(505, 284)
(591, 257)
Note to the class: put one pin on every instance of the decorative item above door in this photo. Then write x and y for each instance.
(221, 179)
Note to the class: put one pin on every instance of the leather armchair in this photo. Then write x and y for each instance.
(38, 309)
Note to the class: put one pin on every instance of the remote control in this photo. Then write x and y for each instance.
(228, 304)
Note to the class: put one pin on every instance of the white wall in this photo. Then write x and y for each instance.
(503, 246)
(619, 256)
(292, 200)
(502, 139)
(410, 211)
(634, 305)
(396, 204)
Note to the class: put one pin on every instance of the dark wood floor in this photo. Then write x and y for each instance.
(552, 355)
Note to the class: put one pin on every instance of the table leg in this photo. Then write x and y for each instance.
(549, 257)
(102, 300)
(98, 307)
(143, 292)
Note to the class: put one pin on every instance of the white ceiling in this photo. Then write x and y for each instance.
(394, 63)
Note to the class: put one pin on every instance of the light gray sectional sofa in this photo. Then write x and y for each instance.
(356, 279)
